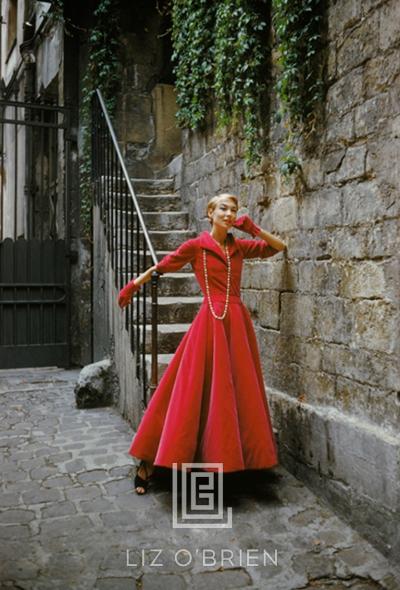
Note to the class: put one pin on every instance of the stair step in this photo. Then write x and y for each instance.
(152, 185)
(164, 202)
(169, 337)
(174, 309)
(163, 362)
(154, 220)
(129, 260)
(180, 284)
(161, 239)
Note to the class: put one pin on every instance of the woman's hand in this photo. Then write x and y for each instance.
(126, 293)
(244, 223)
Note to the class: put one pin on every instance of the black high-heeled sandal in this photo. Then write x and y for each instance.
(139, 481)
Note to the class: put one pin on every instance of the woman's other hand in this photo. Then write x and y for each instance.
(244, 223)
(126, 293)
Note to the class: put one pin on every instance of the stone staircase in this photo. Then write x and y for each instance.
(179, 294)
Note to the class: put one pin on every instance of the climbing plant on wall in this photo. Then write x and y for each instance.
(193, 39)
(103, 72)
(240, 77)
(220, 53)
(221, 50)
(299, 29)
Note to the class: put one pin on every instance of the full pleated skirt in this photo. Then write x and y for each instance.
(210, 404)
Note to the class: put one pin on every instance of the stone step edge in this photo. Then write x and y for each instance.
(168, 232)
(170, 299)
(149, 195)
(169, 328)
(172, 275)
(159, 213)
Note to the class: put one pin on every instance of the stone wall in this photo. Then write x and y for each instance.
(110, 338)
(146, 106)
(327, 311)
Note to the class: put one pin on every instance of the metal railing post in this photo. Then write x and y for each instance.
(124, 221)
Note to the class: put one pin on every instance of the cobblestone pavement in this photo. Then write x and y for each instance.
(71, 520)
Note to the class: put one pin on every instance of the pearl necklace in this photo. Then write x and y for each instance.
(217, 317)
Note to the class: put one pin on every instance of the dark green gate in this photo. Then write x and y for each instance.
(34, 235)
(34, 303)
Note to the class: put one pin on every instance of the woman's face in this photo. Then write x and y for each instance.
(224, 213)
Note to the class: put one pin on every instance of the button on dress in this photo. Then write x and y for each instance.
(210, 404)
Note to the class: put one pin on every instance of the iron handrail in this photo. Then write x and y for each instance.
(112, 188)
(126, 175)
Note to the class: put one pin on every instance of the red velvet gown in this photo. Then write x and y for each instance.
(210, 404)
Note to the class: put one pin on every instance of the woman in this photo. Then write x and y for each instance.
(210, 403)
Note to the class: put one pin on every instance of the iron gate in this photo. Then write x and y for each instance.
(35, 235)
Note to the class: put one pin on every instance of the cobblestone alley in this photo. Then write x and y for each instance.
(70, 518)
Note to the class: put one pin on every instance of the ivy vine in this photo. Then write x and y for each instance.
(299, 28)
(221, 51)
(221, 55)
(241, 54)
(103, 71)
(193, 39)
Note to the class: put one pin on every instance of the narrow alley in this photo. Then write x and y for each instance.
(70, 519)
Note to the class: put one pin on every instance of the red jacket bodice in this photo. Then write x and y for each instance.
(192, 250)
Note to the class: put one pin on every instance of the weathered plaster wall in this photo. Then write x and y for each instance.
(327, 311)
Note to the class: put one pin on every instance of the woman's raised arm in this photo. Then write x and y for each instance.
(246, 224)
(272, 240)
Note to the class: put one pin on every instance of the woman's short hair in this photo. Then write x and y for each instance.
(212, 203)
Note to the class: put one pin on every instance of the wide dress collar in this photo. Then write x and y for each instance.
(208, 242)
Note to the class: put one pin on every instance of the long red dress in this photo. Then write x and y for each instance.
(210, 404)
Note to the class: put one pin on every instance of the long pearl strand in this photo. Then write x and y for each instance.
(228, 285)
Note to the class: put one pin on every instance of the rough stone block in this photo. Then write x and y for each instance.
(316, 387)
(367, 402)
(315, 244)
(256, 197)
(251, 299)
(196, 144)
(380, 72)
(353, 165)
(268, 274)
(364, 366)
(269, 309)
(363, 280)
(340, 130)
(348, 242)
(371, 115)
(96, 385)
(167, 140)
(313, 174)
(220, 580)
(332, 160)
(343, 16)
(320, 277)
(321, 208)
(345, 93)
(333, 320)
(362, 202)
(297, 313)
(163, 581)
(138, 124)
(359, 45)
(383, 163)
(307, 354)
(283, 214)
(373, 328)
(389, 30)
